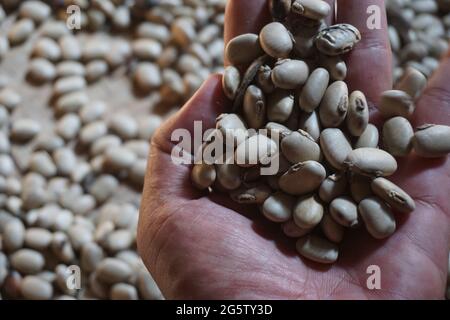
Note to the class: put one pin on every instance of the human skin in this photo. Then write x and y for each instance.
(204, 246)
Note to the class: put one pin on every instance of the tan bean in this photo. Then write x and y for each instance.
(344, 211)
(396, 103)
(289, 74)
(369, 138)
(317, 249)
(335, 147)
(308, 212)
(302, 178)
(358, 114)
(254, 108)
(243, 49)
(397, 136)
(393, 195)
(314, 90)
(299, 146)
(332, 187)
(377, 217)
(278, 207)
(371, 162)
(334, 105)
(275, 40)
(432, 141)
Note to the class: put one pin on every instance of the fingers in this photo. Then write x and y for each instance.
(369, 64)
(244, 17)
(206, 104)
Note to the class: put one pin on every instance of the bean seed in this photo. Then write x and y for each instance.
(42, 70)
(280, 105)
(311, 9)
(79, 235)
(119, 240)
(42, 163)
(276, 40)
(91, 256)
(230, 81)
(308, 212)
(344, 211)
(377, 217)
(68, 126)
(371, 162)
(392, 194)
(119, 158)
(229, 175)
(65, 161)
(369, 138)
(291, 230)
(302, 178)
(95, 48)
(335, 146)
(317, 249)
(147, 76)
(413, 82)
(20, 31)
(92, 110)
(103, 187)
(232, 128)
(299, 146)
(54, 29)
(203, 175)
(13, 235)
(123, 291)
(38, 238)
(27, 261)
(93, 131)
(96, 69)
(310, 123)
(331, 229)
(47, 48)
(332, 187)
(146, 49)
(254, 107)
(264, 79)
(35, 10)
(337, 39)
(289, 74)
(71, 102)
(243, 49)
(125, 126)
(334, 105)
(397, 136)
(278, 207)
(358, 114)
(314, 90)
(68, 84)
(34, 197)
(112, 271)
(251, 194)
(335, 66)
(183, 31)
(396, 103)
(70, 48)
(34, 288)
(7, 166)
(255, 150)
(432, 141)
(9, 98)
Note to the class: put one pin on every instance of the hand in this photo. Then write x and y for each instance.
(205, 246)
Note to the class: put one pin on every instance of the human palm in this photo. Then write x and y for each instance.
(200, 245)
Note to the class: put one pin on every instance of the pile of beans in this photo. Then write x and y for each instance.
(333, 164)
(419, 33)
(60, 202)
